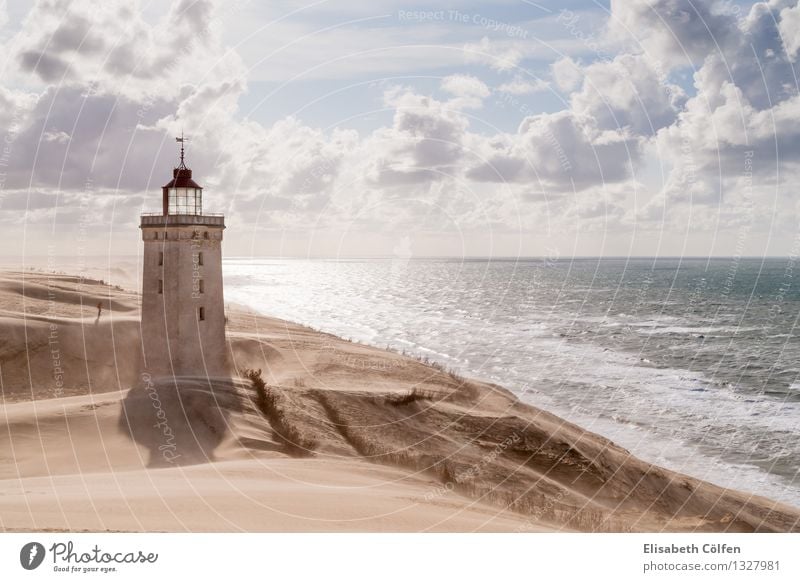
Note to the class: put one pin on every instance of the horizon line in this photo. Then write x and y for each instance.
(429, 257)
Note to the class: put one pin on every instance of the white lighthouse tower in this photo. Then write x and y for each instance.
(183, 310)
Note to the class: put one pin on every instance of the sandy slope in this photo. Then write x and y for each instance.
(337, 442)
(97, 479)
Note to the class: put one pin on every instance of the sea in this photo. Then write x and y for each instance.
(692, 364)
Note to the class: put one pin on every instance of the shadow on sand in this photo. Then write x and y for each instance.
(180, 420)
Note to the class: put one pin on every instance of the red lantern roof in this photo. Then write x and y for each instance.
(182, 178)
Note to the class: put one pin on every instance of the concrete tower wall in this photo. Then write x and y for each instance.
(182, 273)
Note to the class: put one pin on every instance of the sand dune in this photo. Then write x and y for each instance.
(342, 437)
(73, 465)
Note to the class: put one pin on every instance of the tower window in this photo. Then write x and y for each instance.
(161, 285)
(200, 286)
(160, 258)
(205, 234)
(201, 313)
(156, 235)
(199, 258)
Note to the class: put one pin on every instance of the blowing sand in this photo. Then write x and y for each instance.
(342, 437)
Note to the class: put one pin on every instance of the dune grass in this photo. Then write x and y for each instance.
(270, 402)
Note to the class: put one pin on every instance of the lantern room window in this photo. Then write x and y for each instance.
(185, 200)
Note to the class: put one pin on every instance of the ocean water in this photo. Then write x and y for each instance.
(693, 364)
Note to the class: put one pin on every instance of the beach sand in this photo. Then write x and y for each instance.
(343, 437)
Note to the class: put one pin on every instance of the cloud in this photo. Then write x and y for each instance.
(499, 55)
(48, 67)
(14, 108)
(56, 136)
(627, 93)
(465, 86)
(789, 28)
(425, 142)
(742, 119)
(68, 137)
(110, 46)
(567, 74)
(561, 151)
(469, 91)
(676, 32)
(522, 86)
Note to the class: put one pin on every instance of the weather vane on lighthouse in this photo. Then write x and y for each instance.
(181, 140)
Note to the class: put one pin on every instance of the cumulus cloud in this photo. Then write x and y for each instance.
(677, 32)
(567, 74)
(733, 140)
(14, 108)
(560, 151)
(628, 93)
(425, 142)
(742, 118)
(469, 91)
(789, 28)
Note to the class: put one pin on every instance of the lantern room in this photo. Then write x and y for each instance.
(182, 195)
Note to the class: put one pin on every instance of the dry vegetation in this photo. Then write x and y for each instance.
(413, 395)
(269, 402)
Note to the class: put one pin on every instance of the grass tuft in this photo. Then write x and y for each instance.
(273, 406)
(414, 395)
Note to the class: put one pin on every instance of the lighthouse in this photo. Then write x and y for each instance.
(183, 310)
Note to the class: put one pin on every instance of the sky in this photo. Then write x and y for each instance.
(345, 128)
